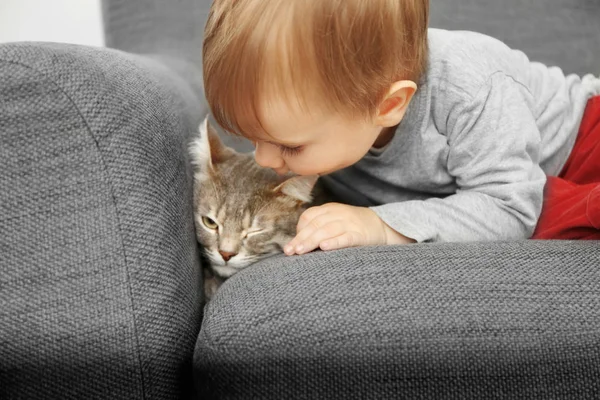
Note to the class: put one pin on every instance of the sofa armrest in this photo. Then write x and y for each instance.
(453, 321)
(99, 271)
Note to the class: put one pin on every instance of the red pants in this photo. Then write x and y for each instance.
(572, 200)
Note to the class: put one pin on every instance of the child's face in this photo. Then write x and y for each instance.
(310, 144)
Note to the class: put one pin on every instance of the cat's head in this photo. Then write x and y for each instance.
(243, 212)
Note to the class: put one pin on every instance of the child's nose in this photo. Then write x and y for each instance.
(282, 171)
(267, 155)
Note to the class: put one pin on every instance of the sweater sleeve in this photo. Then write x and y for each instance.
(494, 152)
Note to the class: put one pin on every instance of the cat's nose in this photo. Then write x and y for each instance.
(227, 255)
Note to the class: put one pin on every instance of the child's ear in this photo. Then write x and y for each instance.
(393, 107)
(298, 187)
(207, 149)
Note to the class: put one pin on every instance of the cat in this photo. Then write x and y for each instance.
(242, 211)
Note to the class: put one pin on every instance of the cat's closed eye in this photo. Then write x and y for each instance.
(254, 232)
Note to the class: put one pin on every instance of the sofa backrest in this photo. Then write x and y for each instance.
(556, 32)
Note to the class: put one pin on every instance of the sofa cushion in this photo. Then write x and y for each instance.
(455, 321)
(99, 282)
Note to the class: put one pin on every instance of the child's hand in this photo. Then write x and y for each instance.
(335, 226)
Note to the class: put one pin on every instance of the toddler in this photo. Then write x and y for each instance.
(429, 135)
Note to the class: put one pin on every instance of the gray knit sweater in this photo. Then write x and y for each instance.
(469, 161)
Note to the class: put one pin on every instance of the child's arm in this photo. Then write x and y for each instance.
(494, 157)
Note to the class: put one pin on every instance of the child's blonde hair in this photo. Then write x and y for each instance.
(337, 55)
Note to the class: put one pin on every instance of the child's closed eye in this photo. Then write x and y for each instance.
(290, 151)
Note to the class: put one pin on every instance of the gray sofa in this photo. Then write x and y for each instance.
(99, 268)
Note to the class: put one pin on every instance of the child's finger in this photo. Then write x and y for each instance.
(297, 245)
(347, 239)
(310, 239)
(310, 224)
(288, 249)
(309, 215)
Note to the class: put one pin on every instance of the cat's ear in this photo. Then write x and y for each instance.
(207, 149)
(298, 187)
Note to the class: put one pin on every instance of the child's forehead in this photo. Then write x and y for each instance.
(282, 124)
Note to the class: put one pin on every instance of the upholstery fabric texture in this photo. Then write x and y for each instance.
(99, 282)
(453, 321)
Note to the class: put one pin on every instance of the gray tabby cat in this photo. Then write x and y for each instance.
(242, 211)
